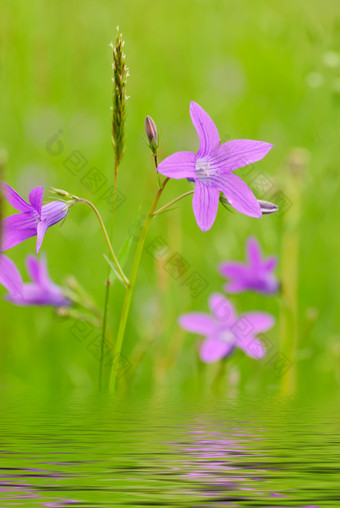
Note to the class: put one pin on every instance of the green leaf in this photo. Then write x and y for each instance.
(114, 271)
(124, 252)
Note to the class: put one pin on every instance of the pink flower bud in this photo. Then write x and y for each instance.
(151, 131)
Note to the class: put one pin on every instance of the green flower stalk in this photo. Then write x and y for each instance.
(120, 75)
(119, 98)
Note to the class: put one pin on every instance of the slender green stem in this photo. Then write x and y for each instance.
(103, 337)
(160, 210)
(155, 158)
(131, 287)
(102, 225)
(107, 289)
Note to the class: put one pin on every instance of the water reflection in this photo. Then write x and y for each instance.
(167, 453)
(224, 470)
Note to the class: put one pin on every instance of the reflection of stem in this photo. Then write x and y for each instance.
(160, 210)
(131, 286)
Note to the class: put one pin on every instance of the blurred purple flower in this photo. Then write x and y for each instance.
(255, 275)
(34, 219)
(212, 170)
(41, 291)
(225, 331)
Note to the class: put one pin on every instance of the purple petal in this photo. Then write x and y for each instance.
(252, 346)
(254, 254)
(179, 165)
(238, 194)
(17, 228)
(37, 270)
(36, 198)
(222, 309)
(36, 295)
(54, 212)
(259, 321)
(41, 230)
(237, 286)
(14, 199)
(214, 349)
(240, 152)
(196, 322)
(10, 276)
(206, 130)
(270, 263)
(233, 269)
(205, 204)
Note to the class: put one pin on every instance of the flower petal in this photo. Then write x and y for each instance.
(36, 295)
(36, 198)
(238, 194)
(14, 199)
(233, 269)
(236, 286)
(270, 263)
(196, 322)
(17, 228)
(54, 212)
(10, 276)
(206, 130)
(214, 349)
(222, 309)
(238, 153)
(252, 346)
(205, 204)
(259, 322)
(37, 270)
(179, 165)
(254, 254)
(41, 230)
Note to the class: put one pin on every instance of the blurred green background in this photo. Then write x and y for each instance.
(262, 70)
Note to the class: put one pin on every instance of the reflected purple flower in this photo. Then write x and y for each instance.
(257, 274)
(41, 291)
(224, 330)
(212, 170)
(33, 220)
(224, 467)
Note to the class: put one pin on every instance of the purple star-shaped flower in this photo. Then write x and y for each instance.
(41, 291)
(212, 170)
(225, 331)
(34, 219)
(255, 275)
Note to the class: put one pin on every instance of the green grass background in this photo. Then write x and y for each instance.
(262, 70)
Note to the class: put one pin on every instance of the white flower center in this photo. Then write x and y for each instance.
(227, 336)
(203, 170)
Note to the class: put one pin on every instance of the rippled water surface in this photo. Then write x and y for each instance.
(169, 452)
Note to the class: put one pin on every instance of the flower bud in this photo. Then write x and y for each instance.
(60, 192)
(151, 132)
(267, 208)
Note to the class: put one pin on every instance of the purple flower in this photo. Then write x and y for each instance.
(255, 275)
(41, 291)
(34, 219)
(212, 170)
(224, 330)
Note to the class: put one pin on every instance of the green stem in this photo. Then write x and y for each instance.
(131, 287)
(160, 210)
(107, 289)
(103, 337)
(102, 225)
